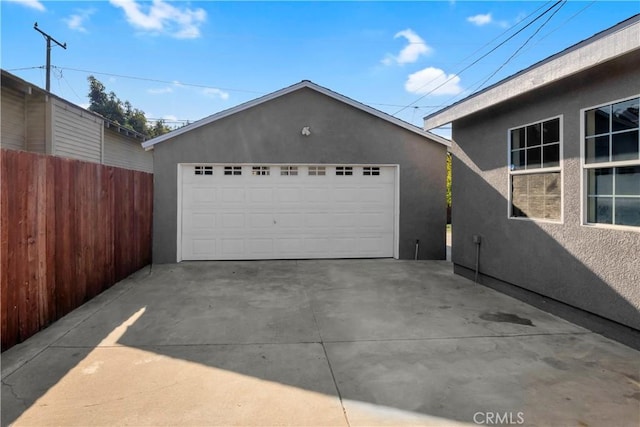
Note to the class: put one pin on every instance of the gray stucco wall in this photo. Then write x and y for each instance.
(591, 268)
(271, 133)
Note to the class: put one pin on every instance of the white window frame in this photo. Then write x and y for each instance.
(541, 170)
(584, 171)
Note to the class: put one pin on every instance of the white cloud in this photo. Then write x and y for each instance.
(170, 118)
(160, 90)
(77, 20)
(411, 53)
(480, 19)
(33, 4)
(433, 81)
(163, 18)
(215, 93)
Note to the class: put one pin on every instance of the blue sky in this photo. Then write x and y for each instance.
(192, 59)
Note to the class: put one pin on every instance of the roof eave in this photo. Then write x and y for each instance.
(565, 64)
(148, 145)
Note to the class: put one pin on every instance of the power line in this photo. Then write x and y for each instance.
(482, 47)
(26, 68)
(479, 59)
(467, 93)
(159, 81)
(566, 21)
(522, 46)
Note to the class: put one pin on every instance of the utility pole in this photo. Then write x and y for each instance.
(49, 39)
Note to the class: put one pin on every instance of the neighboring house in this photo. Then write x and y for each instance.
(303, 172)
(546, 171)
(39, 121)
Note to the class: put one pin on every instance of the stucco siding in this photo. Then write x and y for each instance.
(12, 122)
(340, 134)
(76, 133)
(592, 268)
(125, 152)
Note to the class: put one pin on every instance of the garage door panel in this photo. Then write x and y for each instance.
(317, 194)
(287, 216)
(232, 247)
(260, 220)
(203, 221)
(233, 194)
(261, 247)
(346, 195)
(291, 220)
(289, 195)
(203, 246)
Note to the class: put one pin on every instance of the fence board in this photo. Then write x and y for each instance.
(68, 231)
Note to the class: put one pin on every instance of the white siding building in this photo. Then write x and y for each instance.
(35, 120)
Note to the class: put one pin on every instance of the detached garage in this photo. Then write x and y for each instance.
(301, 173)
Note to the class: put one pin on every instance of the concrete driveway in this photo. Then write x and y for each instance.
(325, 343)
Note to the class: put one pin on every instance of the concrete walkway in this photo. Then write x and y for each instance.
(316, 343)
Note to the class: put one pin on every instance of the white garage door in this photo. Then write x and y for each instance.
(286, 212)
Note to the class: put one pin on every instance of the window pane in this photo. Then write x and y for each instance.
(551, 155)
(597, 149)
(534, 158)
(534, 136)
(597, 121)
(517, 138)
(600, 210)
(519, 186)
(551, 184)
(625, 115)
(536, 196)
(625, 146)
(517, 160)
(601, 181)
(628, 181)
(551, 131)
(552, 208)
(627, 211)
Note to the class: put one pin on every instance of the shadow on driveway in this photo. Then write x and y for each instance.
(331, 342)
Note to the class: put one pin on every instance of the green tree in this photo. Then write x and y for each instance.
(111, 107)
(159, 128)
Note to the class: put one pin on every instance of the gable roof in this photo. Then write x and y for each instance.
(621, 39)
(148, 145)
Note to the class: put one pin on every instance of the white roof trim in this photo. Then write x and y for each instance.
(148, 145)
(587, 54)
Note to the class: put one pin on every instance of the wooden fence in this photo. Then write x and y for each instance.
(68, 231)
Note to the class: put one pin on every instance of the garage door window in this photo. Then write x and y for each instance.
(289, 170)
(233, 170)
(344, 170)
(369, 171)
(260, 170)
(317, 171)
(203, 170)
